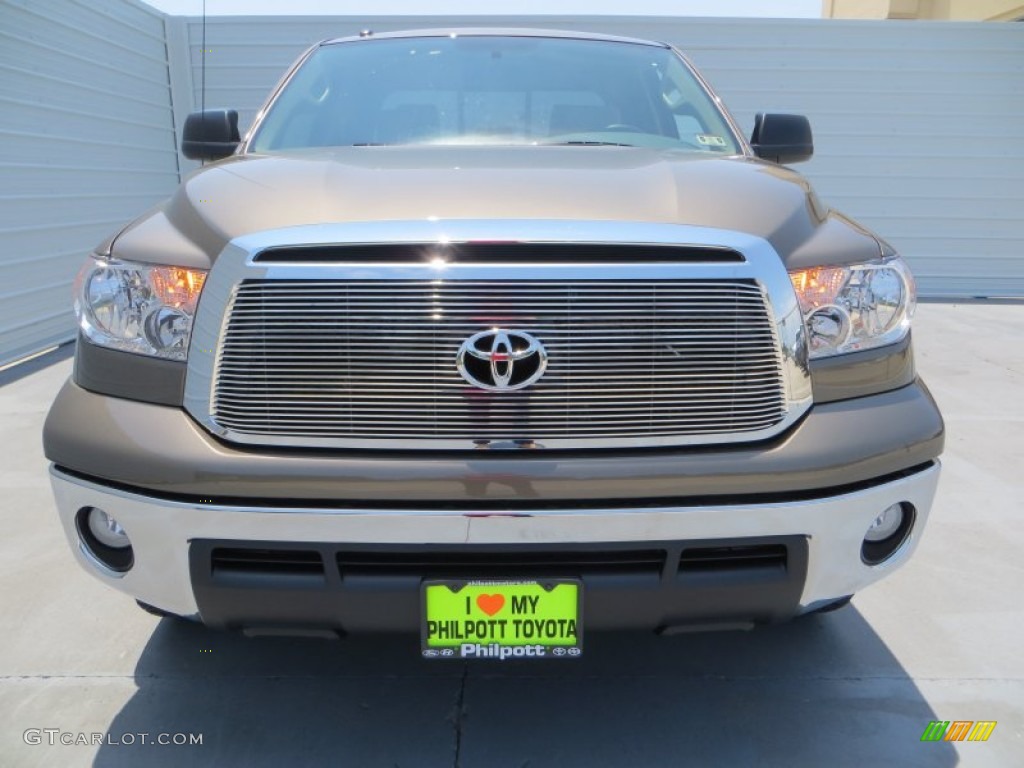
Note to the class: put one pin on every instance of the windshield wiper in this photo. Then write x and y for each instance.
(580, 143)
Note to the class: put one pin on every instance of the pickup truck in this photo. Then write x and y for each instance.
(497, 338)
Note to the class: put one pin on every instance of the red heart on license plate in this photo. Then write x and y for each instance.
(490, 604)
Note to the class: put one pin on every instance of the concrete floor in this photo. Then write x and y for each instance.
(943, 639)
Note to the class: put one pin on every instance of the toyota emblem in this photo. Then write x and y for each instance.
(501, 361)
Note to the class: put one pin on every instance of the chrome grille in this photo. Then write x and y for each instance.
(322, 360)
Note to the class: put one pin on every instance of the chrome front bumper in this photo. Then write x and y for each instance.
(161, 531)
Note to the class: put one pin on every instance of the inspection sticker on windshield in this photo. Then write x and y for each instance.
(710, 140)
(502, 620)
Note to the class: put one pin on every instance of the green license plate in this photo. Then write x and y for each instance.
(502, 619)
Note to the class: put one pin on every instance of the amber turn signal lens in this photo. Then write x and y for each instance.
(818, 286)
(177, 287)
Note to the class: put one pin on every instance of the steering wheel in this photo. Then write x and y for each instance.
(627, 127)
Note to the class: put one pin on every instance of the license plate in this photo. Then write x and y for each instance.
(502, 620)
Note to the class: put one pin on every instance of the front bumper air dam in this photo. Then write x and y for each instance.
(163, 533)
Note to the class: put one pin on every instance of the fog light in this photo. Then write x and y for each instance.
(887, 533)
(104, 540)
(886, 524)
(107, 529)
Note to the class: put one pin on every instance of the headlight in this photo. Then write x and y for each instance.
(142, 308)
(847, 309)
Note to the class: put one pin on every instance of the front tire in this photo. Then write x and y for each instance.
(160, 612)
(833, 606)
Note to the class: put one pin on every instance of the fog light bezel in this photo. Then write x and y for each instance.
(877, 552)
(117, 559)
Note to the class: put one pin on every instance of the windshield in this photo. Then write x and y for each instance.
(493, 90)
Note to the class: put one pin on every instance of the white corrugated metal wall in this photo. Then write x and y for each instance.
(86, 143)
(918, 126)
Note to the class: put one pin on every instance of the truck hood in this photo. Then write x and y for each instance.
(250, 193)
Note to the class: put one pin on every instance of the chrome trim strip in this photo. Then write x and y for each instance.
(235, 264)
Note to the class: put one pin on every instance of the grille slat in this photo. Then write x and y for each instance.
(282, 380)
(366, 359)
(594, 307)
(292, 369)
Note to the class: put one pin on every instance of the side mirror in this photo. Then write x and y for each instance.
(782, 138)
(210, 135)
